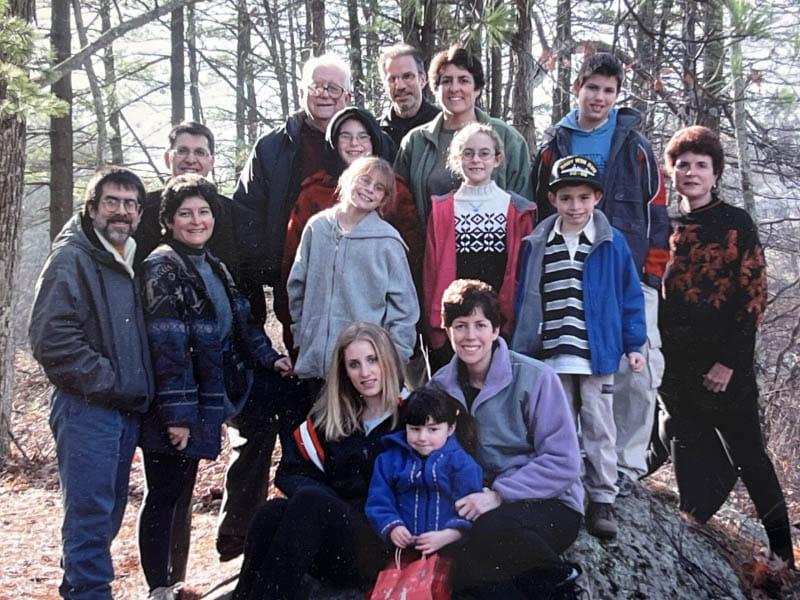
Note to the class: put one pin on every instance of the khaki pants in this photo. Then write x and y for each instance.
(591, 399)
(635, 396)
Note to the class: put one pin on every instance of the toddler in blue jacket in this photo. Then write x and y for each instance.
(423, 471)
(579, 309)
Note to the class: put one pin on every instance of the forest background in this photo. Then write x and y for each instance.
(89, 82)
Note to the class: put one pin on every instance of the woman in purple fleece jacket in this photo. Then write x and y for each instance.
(528, 448)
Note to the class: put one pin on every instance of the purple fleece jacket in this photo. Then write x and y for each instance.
(528, 445)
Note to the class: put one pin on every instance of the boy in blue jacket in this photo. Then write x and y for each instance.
(579, 308)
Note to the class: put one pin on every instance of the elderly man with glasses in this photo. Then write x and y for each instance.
(87, 330)
(403, 73)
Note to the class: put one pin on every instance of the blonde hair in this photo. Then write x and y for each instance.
(367, 165)
(337, 412)
(460, 140)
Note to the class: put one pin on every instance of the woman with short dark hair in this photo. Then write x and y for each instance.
(527, 447)
(714, 296)
(204, 346)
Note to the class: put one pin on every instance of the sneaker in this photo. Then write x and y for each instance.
(600, 520)
(576, 586)
(229, 547)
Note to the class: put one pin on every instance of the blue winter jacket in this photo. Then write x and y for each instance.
(188, 355)
(613, 302)
(420, 492)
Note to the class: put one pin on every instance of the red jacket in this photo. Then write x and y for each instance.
(439, 269)
(317, 193)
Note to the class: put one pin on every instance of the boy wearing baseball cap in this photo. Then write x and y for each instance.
(579, 308)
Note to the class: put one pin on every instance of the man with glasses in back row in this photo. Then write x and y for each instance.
(87, 330)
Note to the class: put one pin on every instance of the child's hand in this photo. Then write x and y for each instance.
(283, 366)
(635, 361)
(431, 541)
(401, 537)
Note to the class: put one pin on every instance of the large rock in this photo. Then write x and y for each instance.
(657, 555)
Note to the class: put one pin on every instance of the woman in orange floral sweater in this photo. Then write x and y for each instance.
(714, 295)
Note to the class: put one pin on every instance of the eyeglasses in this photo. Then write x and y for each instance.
(407, 78)
(348, 138)
(113, 203)
(483, 153)
(184, 152)
(334, 91)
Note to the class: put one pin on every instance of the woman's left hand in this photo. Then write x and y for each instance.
(178, 436)
(717, 378)
(283, 366)
(474, 505)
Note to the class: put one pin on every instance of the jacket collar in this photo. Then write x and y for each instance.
(498, 377)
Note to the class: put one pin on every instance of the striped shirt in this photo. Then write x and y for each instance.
(565, 341)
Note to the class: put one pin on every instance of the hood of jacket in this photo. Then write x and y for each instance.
(335, 164)
(371, 226)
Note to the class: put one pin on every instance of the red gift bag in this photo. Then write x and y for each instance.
(425, 579)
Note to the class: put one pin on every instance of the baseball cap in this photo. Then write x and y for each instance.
(574, 170)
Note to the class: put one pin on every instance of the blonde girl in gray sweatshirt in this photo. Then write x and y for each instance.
(351, 266)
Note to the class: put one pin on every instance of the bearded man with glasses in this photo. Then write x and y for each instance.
(87, 330)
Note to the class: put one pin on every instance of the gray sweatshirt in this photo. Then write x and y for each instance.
(338, 278)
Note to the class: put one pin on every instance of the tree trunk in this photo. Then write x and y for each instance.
(642, 87)
(316, 26)
(293, 59)
(277, 49)
(561, 90)
(689, 33)
(194, 70)
(61, 152)
(740, 128)
(496, 70)
(356, 69)
(242, 52)
(410, 27)
(713, 60)
(428, 34)
(521, 44)
(12, 177)
(373, 91)
(177, 83)
(115, 135)
(94, 86)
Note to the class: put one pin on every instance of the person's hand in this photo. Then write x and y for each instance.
(474, 505)
(717, 378)
(431, 541)
(401, 537)
(283, 366)
(636, 361)
(178, 436)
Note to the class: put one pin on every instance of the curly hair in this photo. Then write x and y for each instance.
(696, 139)
(181, 187)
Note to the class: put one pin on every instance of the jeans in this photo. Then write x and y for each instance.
(94, 446)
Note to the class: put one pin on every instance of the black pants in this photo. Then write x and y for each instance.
(699, 420)
(312, 532)
(514, 539)
(166, 517)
